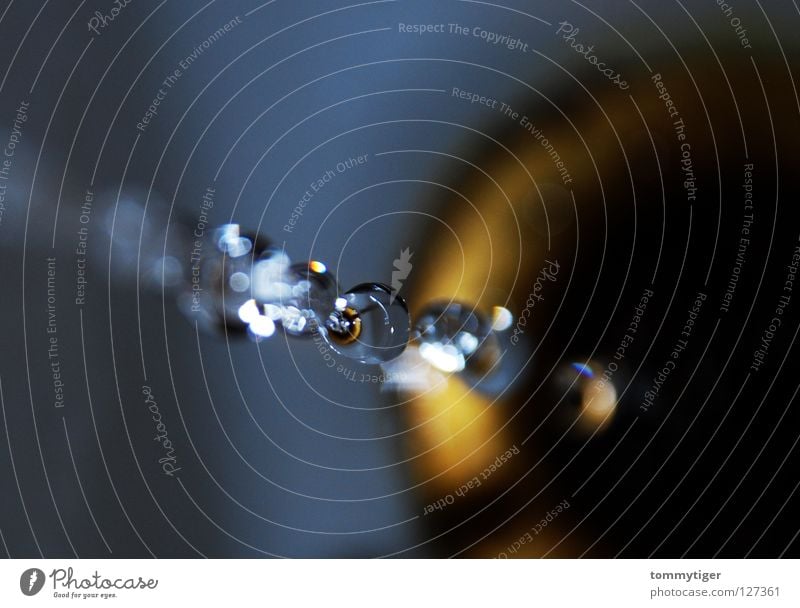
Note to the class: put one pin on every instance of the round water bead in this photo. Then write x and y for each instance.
(313, 294)
(369, 323)
(260, 324)
(270, 277)
(586, 392)
(453, 337)
(221, 278)
(299, 296)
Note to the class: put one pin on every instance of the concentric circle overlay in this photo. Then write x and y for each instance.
(399, 278)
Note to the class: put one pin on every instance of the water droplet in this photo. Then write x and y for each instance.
(239, 281)
(369, 324)
(259, 323)
(230, 268)
(310, 300)
(453, 337)
(249, 311)
(261, 327)
(221, 278)
(501, 318)
(231, 242)
(299, 296)
(585, 392)
(270, 281)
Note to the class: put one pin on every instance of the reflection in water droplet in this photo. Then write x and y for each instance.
(249, 312)
(583, 369)
(317, 267)
(230, 267)
(585, 392)
(307, 298)
(444, 357)
(230, 242)
(369, 324)
(259, 324)
(455, 338)
(221, 279)
(239, 281)
(501, 318)
(412, 374)
(261, 327)
(270, 281)
(297, 296)
(344, 324)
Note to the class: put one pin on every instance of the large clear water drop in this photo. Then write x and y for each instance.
(454, 337)
(369, 323)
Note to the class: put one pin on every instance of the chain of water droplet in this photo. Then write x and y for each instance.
(244, 285)
(239, 283)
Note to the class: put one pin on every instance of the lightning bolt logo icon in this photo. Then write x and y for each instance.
(31, 581)
(402, 267)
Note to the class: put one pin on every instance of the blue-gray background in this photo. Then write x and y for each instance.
(268, 465)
